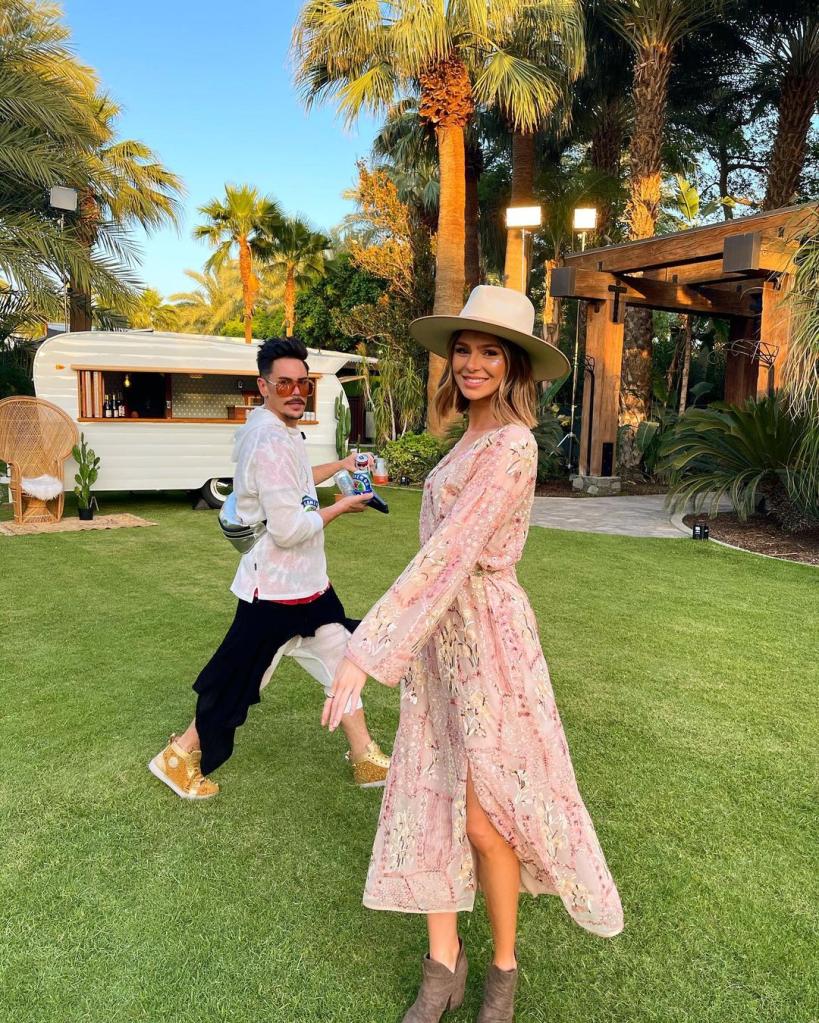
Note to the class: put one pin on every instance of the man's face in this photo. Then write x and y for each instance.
(288, 407)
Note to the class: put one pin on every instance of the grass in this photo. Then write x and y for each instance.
(686, 678)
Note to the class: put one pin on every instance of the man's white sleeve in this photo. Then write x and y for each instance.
(280, 494)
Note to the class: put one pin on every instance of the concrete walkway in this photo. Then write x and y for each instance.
(621, 516)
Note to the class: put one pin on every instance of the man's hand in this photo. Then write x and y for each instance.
(349, 462)
(347, 685)
(354, 503)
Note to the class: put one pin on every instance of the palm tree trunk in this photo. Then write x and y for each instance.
(650, 94)
(248, 286)
(450, 274)
(446, 102)
(796, 105)
(290, 303)
(686, 366)
(605, 154)
(472, 253)
(523, 186)
(86, 228)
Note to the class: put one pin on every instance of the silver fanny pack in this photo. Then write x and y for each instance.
(244, 538)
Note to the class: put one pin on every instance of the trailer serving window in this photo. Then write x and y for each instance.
(182, 396)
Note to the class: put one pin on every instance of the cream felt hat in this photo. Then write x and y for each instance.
(504, 312)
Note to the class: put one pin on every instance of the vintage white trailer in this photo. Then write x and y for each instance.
(161, 410)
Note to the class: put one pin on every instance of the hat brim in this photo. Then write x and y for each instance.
(434, 334)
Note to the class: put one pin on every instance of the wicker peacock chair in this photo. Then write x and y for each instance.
(36, 437)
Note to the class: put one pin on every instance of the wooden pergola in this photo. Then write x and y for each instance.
(740, 270)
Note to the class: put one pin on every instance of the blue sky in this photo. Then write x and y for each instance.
(208, 86)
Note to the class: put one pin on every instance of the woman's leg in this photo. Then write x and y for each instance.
(499, 875)
(443, 938)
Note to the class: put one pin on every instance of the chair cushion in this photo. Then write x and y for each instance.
(44, 487)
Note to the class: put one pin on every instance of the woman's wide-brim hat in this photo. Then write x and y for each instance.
(507, 314)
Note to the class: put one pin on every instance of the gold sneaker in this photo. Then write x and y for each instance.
(180, 771)
(370, 770)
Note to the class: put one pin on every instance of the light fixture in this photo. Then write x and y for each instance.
(127, 381)
(62, 198)
(585, 218)
(524, 216)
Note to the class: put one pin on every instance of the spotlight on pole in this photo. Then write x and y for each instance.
(584, 219)
(65, 200)
(523, 217)
(62, 198)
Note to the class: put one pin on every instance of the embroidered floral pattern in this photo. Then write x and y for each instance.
(458, 633)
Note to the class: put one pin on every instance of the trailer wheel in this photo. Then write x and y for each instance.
(216, 491)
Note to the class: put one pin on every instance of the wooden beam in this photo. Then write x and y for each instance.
(569, 282)
(700, 244)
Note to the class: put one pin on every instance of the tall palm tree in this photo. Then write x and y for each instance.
(561, 55)
(452, 55)
(46, 130)
(216, 299)
(294, 256)
(123, 185)
(653, 29)
(786, 37)
(241, 221)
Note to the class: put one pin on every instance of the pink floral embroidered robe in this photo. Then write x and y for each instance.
(457, 631)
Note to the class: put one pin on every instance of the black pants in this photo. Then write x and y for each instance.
(230, 682)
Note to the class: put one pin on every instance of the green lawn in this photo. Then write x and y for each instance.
(686, 677)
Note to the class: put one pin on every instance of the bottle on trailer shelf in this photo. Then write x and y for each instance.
(106, 408)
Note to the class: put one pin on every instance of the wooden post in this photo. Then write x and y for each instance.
(741, 371)
(776, 327)
(604, 344)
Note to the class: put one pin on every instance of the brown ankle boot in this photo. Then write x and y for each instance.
(441, 989)
(499, 996)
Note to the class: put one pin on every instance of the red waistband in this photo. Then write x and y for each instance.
(299, 600)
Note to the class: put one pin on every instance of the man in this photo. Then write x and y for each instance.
(286, 603)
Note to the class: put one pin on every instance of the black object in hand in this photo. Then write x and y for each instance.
(378, 503)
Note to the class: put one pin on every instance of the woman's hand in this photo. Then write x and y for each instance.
(347, 685)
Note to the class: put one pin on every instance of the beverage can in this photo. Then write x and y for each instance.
(345, 483)
(361, 476)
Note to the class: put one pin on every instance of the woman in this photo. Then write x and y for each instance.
(481, 786)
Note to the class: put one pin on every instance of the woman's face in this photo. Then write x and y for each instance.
(478, 364)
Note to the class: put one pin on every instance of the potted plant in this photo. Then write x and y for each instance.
(88, 469)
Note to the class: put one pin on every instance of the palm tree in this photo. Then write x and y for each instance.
(123, 185)
(653, 29)
(801, 370)
(46, 130)
(295, 257)
(452, 55)
(243, 220)
(561, 55)
(151, 310)
(217, 299)
(786, 37)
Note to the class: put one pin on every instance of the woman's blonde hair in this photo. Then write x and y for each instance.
(515, 401)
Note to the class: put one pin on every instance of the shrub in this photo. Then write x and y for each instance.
(413, 455)
(747, 452)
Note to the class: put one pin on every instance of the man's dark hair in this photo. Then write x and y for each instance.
(280, 348)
